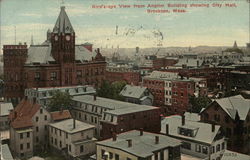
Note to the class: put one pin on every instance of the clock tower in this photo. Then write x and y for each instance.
(63, 39)
(63, 48)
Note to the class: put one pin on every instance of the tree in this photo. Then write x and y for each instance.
(60, 100)
(197, 103)
(111, 91)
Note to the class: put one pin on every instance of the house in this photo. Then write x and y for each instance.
(135, 145)
(201, 140)
(110, 115)
(29, 128)
(5, 109)
(233, 115)
(72, 138)
(137, 94)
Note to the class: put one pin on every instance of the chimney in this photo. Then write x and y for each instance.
(94, 97)
(15, 114)
(114, 136)
(141, 132)
(129, 142)
(61, 110)
(213, 127)
(183, 120)
(167, 129)
(156, 139)
(74, 123)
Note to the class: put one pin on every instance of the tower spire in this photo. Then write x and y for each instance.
(63, 24)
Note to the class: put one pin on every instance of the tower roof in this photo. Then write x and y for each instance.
(235, 45)
(63, 24)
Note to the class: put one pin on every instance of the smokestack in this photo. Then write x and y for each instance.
(167, 129)
(129, 142)
(183, 120)
(94, 97)
(114, 136)
(141, 132)
(74, 123)
(156, 139)
(213, 127)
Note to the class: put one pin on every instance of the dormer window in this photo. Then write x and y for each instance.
(190, 132)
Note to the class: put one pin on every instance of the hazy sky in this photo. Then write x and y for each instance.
(199, 26)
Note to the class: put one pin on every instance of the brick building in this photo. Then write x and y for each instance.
(110, 115)
(160, 63)
(130, 77)
(171, 92)
(233, 115)
(56, 62)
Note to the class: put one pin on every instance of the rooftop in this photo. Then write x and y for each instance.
(142, 146)
(203, 130)
(22, 115)
(108, 103)
(133, 91)
(67, 126)
(60, 115)
(230, 155)
(235, 105)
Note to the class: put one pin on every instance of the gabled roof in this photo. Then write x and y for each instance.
(203, 130)
(133, 91)
(60, 115)
(22, 115)
(39, 54)
(63, 24)
(235, 104)
(142, 146)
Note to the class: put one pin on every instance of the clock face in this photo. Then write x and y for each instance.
(56, 38)
(67, 37)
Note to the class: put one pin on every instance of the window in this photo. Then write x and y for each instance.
(204, 150)
(186, 145)
(28, 145)
(41, 111)
(37, 119)
(28, 134)
(81, 148)
(70, 148)
(37, 129)
(102, 152)
(78, 73)
(53, 76)
(110, 155)
(37, 139)
(117, 157)
(21, 146)
(37, 76)
(55, 141)
(60, 144)
(130, 158)
(85, 117)
(112, 118)
(66, 135)
(218, 148)
(21, 136)
(60, 133)
(45, 117)
(51, 140)
(198, 148)
(213, 149)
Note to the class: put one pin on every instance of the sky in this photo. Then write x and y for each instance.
(136, 27)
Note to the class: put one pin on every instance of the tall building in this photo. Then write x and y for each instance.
(56, 62)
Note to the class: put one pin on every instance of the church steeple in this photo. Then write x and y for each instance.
(63, 24)
(235, 45)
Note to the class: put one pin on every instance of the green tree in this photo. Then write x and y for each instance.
(111, 91)
(197, 103)
(60, 100)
